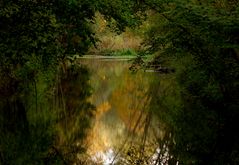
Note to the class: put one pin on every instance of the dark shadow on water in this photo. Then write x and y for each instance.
(52, 133)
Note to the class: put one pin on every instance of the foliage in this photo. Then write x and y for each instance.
(202, 34)
(109, 40)
(35, 39)
(35, 35)
(198, 38)
(121, 14)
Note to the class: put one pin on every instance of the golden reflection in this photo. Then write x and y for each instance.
(101, 109)
(130, 100)
(121, 101)
(98, 137)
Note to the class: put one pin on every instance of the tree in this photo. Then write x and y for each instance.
(204, 35)
(35, 39)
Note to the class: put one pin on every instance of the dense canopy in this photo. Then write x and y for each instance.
(195, 42)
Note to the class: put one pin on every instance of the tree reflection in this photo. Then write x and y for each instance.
(75, 112)
(51, 130)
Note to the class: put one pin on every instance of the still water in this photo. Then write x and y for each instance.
(123, 122)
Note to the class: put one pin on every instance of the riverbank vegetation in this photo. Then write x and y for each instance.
(199, 40)
(195, 46)
(113, 43)
(43, 119)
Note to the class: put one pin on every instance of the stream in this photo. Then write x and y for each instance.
(121, 99)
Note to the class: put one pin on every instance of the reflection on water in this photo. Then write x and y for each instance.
(55, 127)
(48, 119)
(121, 99)
(53, 120)
(104, 157)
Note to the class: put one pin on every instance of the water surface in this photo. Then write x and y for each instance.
(121, 99)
